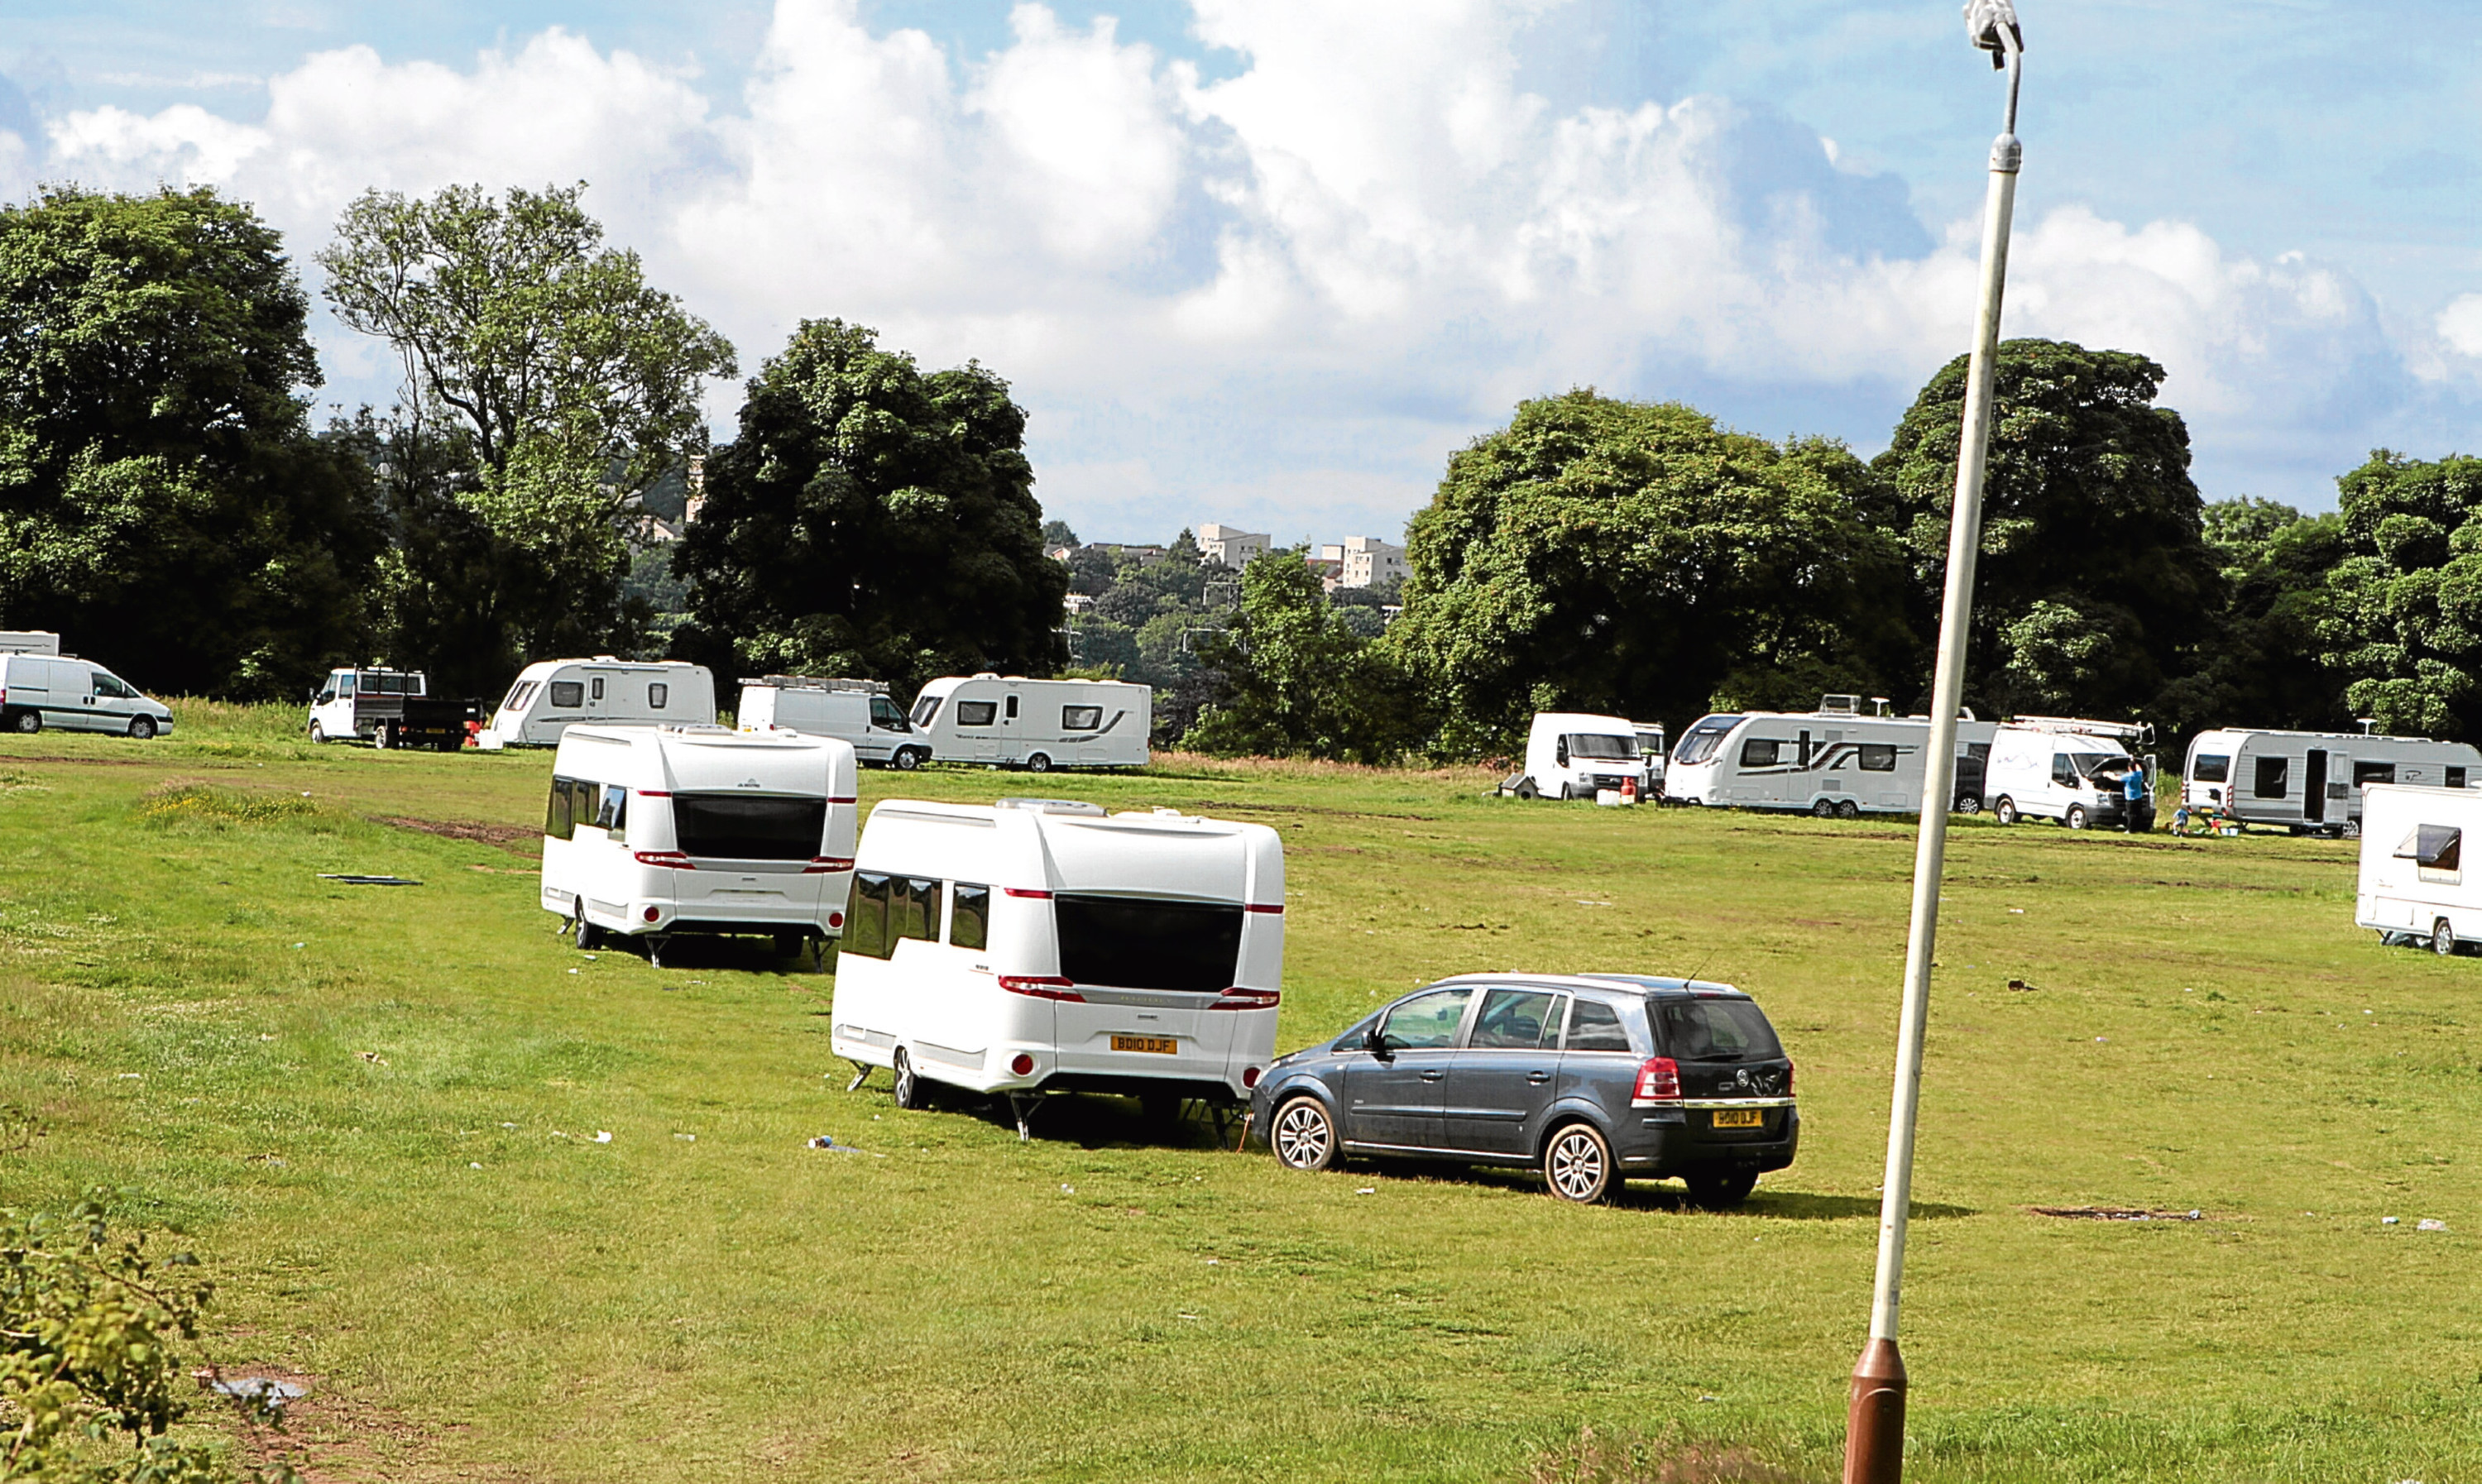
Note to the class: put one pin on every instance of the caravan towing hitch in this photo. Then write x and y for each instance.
(1023, 1105)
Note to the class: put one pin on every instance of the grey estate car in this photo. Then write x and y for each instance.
(1595, 1077)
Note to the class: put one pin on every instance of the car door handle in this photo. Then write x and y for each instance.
(1435, 1074)
(1538, 1079)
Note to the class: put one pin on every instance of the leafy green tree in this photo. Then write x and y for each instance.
(2405, 624)
(1056, 533)
(2266, 666)
(547, 359)
(1290, 680)
(2096, 587)
(874, 520)
(163, 502)
(1629, 557)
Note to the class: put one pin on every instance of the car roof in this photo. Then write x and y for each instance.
(1610, 983)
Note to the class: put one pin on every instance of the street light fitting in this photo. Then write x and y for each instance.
(1993, 26)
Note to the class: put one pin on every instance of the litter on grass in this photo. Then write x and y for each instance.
(268, 1393)
(686, 1138)
(368, 881)
(2429, 1224)
(602, 1135)
(2115, 1213)
(2386, 1221)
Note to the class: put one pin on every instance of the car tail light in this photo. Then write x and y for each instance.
(1249, 1076)
(1659, 1081)
(1022, 1065)
(823, 863)
(1787, 1080)
(1041, 986)
(651, 914)
(1239, 998)
(671, 859)
(835, 919)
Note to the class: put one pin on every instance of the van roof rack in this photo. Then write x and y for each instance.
(812, 682)
(2126, 732)
(1053, 807)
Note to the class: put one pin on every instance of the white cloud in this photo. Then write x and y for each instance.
(1289, 290)
(2460, 325)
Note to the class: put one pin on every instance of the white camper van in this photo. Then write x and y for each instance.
(1010, 722)
(1831, 761)
(1041, 945)
(74, 695)
(652, 832)
(2066, 769)
(2413, 885)
(2310, 781)
(1576, 755)
(554, 695)
(860, 711)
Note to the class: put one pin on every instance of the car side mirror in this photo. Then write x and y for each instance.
(1375, 1041)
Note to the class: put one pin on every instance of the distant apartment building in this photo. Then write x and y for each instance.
(1234, 548)
(1363, 562)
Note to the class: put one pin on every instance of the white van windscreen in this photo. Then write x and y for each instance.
(748, 826)
(1601, 745)
(1699, 742)
(1132, 942)
(926, 709)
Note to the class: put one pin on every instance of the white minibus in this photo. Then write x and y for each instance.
(2310, 781)
(553, 695)
(1010, 722)
(860, 711)
(1576, 755)
(2066, 769)
(653, 832)
(2414, 886)
(1832, 761)
(1039, 946)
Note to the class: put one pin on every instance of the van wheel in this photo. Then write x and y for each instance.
(318, 734)
(1823, 808)
(908, 1087)
(142, 728)
(1722, 1189)
(2443, 939)
(907, 759)
(27, 722)
(1040, 763)
(1578, 1164)
(2005, 810)
(1846, 808)
(2075, 817)
(1304, 1136)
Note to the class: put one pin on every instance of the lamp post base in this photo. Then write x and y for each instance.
(1874, 1428)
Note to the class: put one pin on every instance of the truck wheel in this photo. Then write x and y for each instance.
(318, 734)
(142, 727)
(385, 737)
(1040, 763)
(2443, 939)
(2075, 817)
(907, 759)
(2005, 810)
(908, 1087)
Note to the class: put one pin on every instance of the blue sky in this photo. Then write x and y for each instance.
(1270, 262)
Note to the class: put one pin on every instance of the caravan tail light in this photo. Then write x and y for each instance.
(823, 863)
(1238, 998)
(671, 859)
(835, 919)
(1022, 1065)
(1029, 894)
(1658, 1083)
(1249, 1076)
(1041, 986)
(652, 913)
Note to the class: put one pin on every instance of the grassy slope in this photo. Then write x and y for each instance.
(1103, 1305)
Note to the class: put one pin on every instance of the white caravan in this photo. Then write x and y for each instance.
(652, 832)
(2064, 769)
(1576, 755)
(1041, 945)
(74, 695)
(1831, 761)
(2312, 781)
(28, 641)
(2413, 885)
(1010, 722)
(1650, 749)
(553, 695)
(860, 711)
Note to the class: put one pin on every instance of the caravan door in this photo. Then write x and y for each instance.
(2313, 789)
(977, 723)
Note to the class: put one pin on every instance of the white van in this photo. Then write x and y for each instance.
(1039, 946)
(1651, 752)
(2065, 769)
(2414, 886)
(652, 832)
(860, 711)
(1832, 761)
(74, 695)
(553, 695)
(1575, 755)
(2310, 781)
(1010, 722)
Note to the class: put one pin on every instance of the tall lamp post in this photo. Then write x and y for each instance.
(1874, 1439)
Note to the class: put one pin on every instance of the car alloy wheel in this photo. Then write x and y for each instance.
(1304, 1136)
(2443, 937)
(909, 1086)
(1579, 1164)
(1969, 803)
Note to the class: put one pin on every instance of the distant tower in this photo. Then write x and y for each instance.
(697, 488)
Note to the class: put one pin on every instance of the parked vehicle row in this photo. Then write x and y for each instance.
(62, 691)
(390, 708)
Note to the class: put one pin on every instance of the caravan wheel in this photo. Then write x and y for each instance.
(2443, 939)
(1038, 762)
(1846, 808)
(583, 932)
(1823, 808)
(908, 1087)
(2350, 831)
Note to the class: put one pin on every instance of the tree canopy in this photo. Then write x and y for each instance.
(1290, 679)
(874, 520)
(2406, 616)
(163, 502)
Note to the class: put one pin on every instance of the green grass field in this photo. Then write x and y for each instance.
(375, 1112)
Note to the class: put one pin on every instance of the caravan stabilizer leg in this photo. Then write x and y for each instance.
(861, 1075)
(1023, 1105)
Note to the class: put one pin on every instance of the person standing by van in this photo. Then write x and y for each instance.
(2133, 791)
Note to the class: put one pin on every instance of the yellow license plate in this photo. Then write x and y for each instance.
(1739, 1118)
(1167, 1045)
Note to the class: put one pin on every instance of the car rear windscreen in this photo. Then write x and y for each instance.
(1133, 943)
(748, 826)
(1715, 1030)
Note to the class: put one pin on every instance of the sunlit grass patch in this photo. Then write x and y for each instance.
(220, 807)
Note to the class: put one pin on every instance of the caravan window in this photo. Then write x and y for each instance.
(866, 918)
(2438, 850)
(913, 908)
(1080, 718)
(1878, 758)
(519, 695)
(748, 827)
(2211, 767)
(2455, 777)
(2274, 778)
(583, 800)
(1134, 942)
(1699, 742)
(977, 713)
(1756, 751)
(1011, 708)
(2373, 773)
(598, 687)
(569, 695)
(657, 693)
(926, 709)
(970, 920)
(612, 813)
(560, 816)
